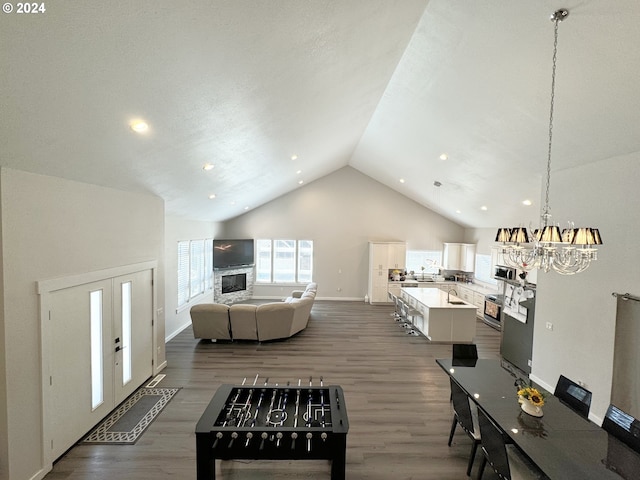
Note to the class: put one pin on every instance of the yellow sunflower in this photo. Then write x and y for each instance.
(533, 395)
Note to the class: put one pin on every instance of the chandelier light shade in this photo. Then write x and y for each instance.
(547, 248)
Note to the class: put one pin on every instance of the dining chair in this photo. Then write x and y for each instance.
(573, 395)
(462, 353)
(505, 459)
(465, 415)
(622, 426)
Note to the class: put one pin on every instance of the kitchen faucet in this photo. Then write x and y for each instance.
(449, 293)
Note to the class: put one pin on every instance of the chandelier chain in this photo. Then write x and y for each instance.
(546, 213)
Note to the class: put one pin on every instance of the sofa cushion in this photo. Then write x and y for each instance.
(242, 318)
(210, 320)
(275, 319)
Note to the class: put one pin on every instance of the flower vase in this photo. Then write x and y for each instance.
(529, 408)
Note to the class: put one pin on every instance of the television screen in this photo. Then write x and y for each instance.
(232, 253)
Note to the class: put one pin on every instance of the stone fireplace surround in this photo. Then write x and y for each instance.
(232, 297)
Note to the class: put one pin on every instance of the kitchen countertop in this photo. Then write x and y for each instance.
(472, 286)
(435, 298)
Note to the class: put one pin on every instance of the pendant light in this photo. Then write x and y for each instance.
(547, 248)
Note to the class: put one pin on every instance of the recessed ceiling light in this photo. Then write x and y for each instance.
(208, 166)
(139, 126)
(294, 157)
(458, 211)
(212, 196)
(300, 182)
(402, 180)
(444, 156)
(298, 172)
(247, 207)
(527, 202)
(484, 207)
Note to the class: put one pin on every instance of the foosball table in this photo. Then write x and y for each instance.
(273, 422)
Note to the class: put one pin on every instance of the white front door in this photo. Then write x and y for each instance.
(100, 351)
(133, 342)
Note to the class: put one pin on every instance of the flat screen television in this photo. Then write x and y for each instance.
(232, 253)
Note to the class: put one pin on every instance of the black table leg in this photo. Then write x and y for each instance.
(205, 463)
(338, 464)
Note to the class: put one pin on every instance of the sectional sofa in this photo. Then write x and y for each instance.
(267, 321)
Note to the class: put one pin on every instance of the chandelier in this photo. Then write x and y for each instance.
(547, 248)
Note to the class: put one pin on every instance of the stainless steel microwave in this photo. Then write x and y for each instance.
(504, 273)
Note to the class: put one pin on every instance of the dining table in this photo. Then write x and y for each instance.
(561, 443)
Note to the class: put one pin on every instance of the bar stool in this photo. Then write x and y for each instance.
(396, 306)
(409, 314)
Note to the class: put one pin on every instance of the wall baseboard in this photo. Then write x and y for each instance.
(176, 332)
(338, 299)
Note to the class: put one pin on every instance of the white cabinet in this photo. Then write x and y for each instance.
(478, 301)
(459, 256)
(451, 256)
(465, 294)
(468, 258)
(397, 255)
(383, 256)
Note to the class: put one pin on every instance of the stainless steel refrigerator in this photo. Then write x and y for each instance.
(518, 313)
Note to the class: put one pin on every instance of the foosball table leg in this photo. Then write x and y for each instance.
(339, 463)
(205, 463)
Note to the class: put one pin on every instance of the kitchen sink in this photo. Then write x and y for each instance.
(456, 302)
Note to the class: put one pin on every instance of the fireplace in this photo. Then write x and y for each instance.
(234, 283)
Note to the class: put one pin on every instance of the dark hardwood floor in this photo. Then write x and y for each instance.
(397, 400)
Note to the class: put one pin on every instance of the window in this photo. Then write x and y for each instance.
(284, 261)
(263, 261)
(97, 379)
(429, 259)
(195, 269)
(126, 333)
(483, 271)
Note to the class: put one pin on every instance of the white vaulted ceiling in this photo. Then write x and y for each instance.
(383, 86)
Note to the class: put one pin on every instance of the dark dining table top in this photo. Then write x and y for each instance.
(561, 443)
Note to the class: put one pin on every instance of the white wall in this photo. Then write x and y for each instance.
(484, 238)
(178, 229)
(52, 228)
(341, 213)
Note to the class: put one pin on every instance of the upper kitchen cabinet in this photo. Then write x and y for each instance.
(397, 255)
(459, 256)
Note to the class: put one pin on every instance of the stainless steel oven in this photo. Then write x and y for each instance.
(493, 310)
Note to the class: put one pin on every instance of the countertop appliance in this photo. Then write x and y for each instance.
(492, 310)
(501, 272)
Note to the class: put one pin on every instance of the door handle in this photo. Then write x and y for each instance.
(118, 348)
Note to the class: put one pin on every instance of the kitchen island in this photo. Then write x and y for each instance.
(445, 318)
